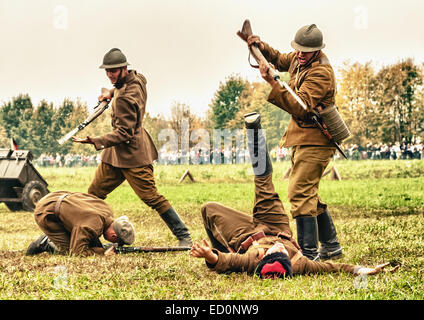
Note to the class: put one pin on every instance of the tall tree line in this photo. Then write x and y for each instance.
(385, 105)
(38, 128)
(382, 106)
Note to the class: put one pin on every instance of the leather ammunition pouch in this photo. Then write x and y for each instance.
(245, 245)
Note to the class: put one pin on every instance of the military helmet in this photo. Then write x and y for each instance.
(308, 39)
(114, 59)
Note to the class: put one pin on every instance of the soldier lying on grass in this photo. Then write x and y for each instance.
(73, 222)
(261, 244)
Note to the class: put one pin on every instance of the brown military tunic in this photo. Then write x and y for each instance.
(80, 223)
(129, 145)
(247, 262)
(315, 85)
(128, 150)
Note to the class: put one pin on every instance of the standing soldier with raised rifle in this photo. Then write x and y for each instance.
(313, 80)
(128, 151)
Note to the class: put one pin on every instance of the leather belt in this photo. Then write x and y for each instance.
(249, 241)
(245, 245)
(58, 203)
(287, 236)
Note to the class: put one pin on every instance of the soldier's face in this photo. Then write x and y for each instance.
(304, 57)
(110, 235)
(113, 74)
(277, 247)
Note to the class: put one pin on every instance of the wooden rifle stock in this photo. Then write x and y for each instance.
(245, 32)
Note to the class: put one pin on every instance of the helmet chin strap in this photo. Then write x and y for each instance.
(118, 83)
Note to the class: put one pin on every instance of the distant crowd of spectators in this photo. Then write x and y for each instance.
(204, 156)
(393, 151)
(68, 160)
(240, 155)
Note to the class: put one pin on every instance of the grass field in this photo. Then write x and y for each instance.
(377, 208)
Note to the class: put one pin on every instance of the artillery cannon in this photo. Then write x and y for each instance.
(21, 185)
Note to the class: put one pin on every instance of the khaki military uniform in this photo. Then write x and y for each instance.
(311, 151)
(231, 228)
(129, 150)
(78, 223)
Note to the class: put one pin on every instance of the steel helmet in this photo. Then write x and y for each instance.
(308, 39)
(114, 59)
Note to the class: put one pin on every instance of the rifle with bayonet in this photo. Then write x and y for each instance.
(98, 110)
(245, 32)
(125, 249)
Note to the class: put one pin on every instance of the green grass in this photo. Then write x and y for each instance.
(377, 208)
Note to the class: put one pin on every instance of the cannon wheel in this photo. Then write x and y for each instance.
(32, 193)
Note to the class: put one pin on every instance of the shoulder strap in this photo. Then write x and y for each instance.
(58, 203)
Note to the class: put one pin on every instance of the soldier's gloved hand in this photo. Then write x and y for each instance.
(253, 39)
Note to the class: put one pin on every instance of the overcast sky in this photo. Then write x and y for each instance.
(52, 49)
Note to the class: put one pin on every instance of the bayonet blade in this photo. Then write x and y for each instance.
(68, 136)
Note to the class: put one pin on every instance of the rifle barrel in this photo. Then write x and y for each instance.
(98, 110)
(68, 136)
(150, 249)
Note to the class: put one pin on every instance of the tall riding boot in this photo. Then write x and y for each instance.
(330, 247)
(215, 243)
(177, 227)
(256, 144)
(42, 244)
(307, 236)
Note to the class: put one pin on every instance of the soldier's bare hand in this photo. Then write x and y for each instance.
(105, 96)
(253, 39)
(267, 70)
(379, 268)
(110, 251)
(204, 250)
(80, 140)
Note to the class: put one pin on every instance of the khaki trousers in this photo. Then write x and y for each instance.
(54, 229)
(231, 227)
(107, 178)
(308, 165)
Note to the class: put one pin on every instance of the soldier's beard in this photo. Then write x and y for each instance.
(119, 83)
